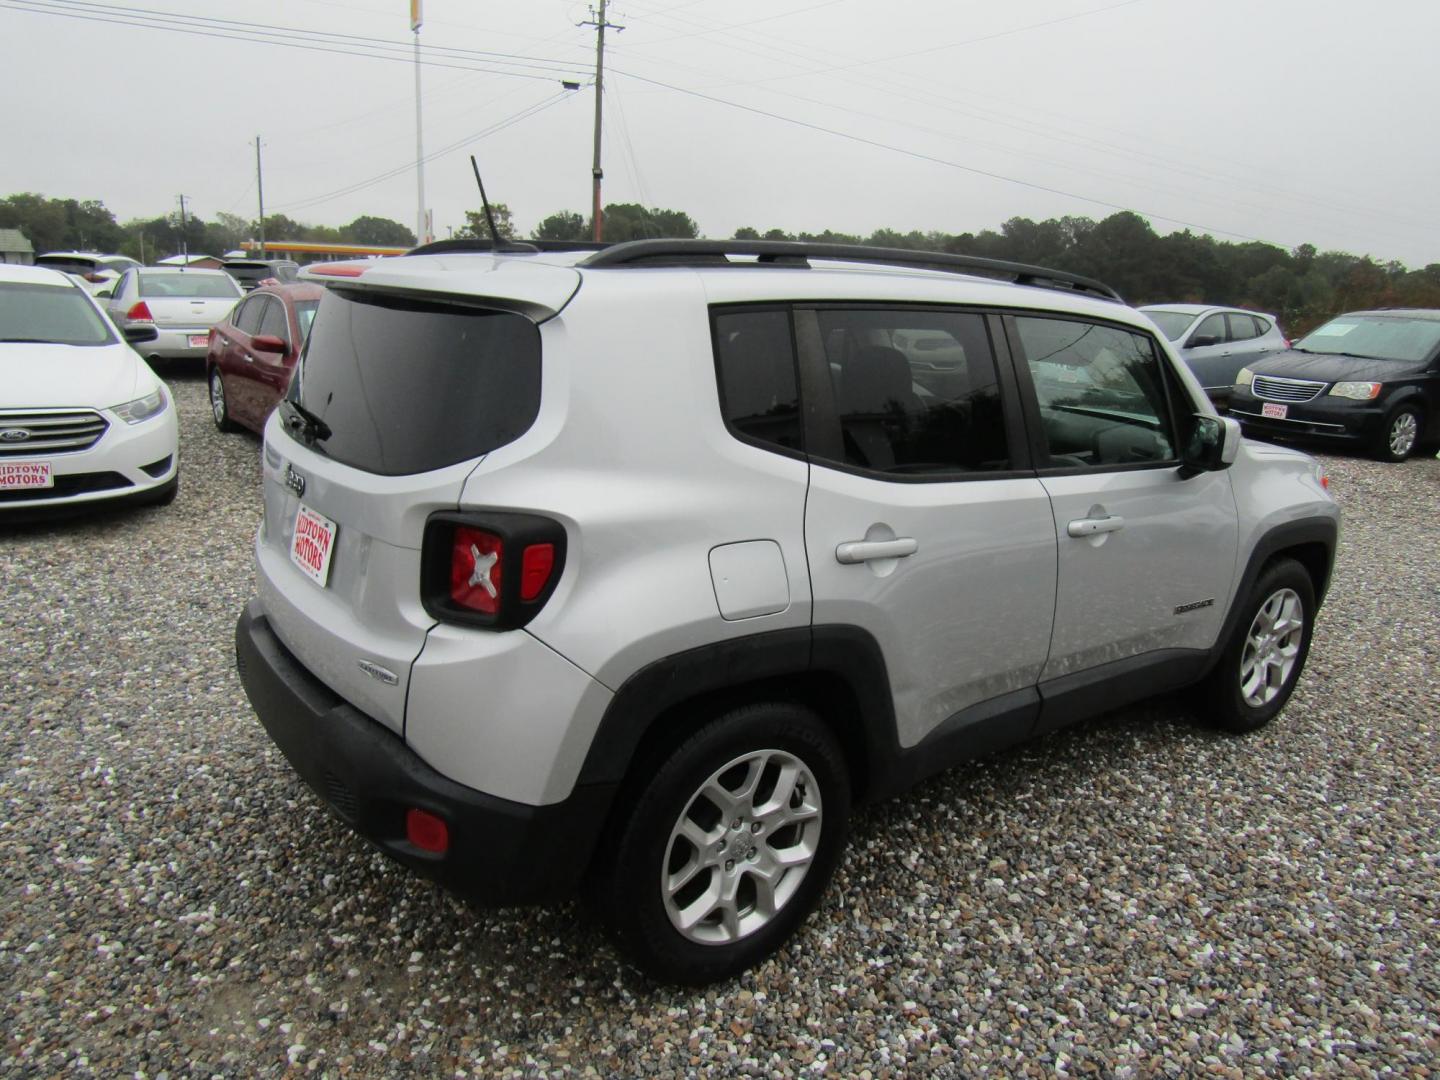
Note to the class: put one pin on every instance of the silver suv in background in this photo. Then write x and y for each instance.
(1217, 342)
(631, 571)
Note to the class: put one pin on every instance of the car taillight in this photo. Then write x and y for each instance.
(139, 313)
(495, 570)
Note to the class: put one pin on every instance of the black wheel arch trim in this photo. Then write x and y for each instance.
(1308, 533)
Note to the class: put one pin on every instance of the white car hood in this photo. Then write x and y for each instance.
(71, 376)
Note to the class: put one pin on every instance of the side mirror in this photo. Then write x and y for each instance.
(1200, 341)
(141, 332)
(267, 343)
(1213, 444)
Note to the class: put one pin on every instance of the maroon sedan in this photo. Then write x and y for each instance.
(253, 352)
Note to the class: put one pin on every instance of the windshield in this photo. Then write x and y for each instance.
(56, 314)
(182, 283)
(1171, 323)
(305, 315)
(1376, 337)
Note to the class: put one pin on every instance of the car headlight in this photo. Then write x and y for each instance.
(1244, 377)
(1360, 391)
(132, 412)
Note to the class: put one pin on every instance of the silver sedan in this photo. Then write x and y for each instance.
(182, 304)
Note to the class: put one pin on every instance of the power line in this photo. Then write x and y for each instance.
(918, 155)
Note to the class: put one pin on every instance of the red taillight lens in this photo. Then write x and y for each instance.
(475, 570)
(426, 831)
(139, 313)
(535, 569)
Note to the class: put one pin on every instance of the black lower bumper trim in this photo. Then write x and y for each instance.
(501, 852)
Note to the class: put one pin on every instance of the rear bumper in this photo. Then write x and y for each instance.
(174, 344)
(501, 852)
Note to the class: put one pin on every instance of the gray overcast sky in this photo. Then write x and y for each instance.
(1290, 121)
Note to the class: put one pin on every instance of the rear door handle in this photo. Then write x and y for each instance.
(858, 551)
(1094, 526)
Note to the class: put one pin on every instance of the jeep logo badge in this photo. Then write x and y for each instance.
(14, 435)
(293, 480)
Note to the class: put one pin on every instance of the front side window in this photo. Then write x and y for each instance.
(915, 391)
(1101, 393)
(247, 315)
(1212, 327)
(758, 391)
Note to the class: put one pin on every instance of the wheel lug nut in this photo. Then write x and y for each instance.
(736, 823)
(755, 827)
(753, 855)
(720, 847)
(729, 865)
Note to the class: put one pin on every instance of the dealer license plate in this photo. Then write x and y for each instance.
(23, 475)
(1275, 412)
(313, 544)
(199, 341)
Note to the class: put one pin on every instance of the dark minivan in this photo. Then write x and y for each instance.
(1369, 378)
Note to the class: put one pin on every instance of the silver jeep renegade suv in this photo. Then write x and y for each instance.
(634, 569)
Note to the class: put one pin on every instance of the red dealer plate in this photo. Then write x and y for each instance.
(313, 544)
(1276, 412)
(199, 341)
(21, 475)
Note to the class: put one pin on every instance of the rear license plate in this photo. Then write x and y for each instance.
(1275, 412)
(23, 475)
(199, 341)
(313, 544)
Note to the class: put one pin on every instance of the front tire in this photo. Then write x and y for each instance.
(729, 845)
(1401, 434)
(219, 406)
(1263, 660)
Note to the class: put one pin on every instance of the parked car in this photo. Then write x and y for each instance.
(633, 569)
(253, 352)
(96, 272)
(82, 417)
(1369, 378)
(181, 303)
(1216, 342)
(254, 272)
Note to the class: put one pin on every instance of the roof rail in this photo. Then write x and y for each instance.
(799, 253)
(511, 247)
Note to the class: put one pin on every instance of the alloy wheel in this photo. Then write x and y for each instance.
(741, 847)
(1272, 647)
(1404, 430)
(217, 398)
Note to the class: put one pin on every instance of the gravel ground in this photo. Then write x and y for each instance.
(1133, 897)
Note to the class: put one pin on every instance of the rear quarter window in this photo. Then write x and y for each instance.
(407, 386)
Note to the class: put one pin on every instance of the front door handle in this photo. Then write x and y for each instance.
(858, 551)
(1095, 525)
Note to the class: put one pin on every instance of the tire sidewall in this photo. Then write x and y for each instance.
(222, 423)
(1232, 711)
(634, 900)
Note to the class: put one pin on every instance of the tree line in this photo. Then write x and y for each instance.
(1303, 286)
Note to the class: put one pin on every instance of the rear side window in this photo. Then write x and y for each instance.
(755, 355)
(1243, 327)
(915, 390)
(247, 318)
(405, 386)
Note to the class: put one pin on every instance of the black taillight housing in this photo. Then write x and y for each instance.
(489, 568)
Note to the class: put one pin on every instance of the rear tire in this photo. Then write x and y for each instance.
(729, 845)
(1401, 434)
(1266, 653)
(219, 406)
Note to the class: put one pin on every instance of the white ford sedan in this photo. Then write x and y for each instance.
(82, 416)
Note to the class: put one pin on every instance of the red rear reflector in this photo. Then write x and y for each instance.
(337, 270)
(535, 568)
(426, 831)
(1325, 481)
(475, 570)
(139, 313)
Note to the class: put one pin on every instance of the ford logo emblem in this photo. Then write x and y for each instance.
(14, 435)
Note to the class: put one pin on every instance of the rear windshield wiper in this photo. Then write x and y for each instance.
(314, 429)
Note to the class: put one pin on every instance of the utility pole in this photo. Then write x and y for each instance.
(260, 187)
(597, 174)
(420, 230)
(184, 242)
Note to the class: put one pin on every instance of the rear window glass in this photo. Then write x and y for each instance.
(67, 265)
(50, 313)
(180, 283)
(406, 386)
